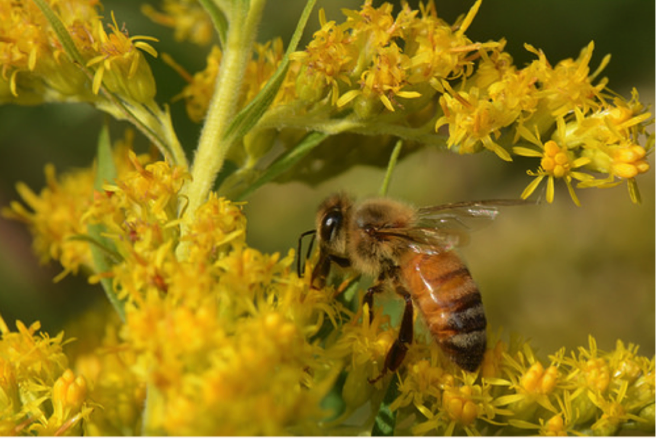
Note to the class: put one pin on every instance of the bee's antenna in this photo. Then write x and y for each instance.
(300, 268)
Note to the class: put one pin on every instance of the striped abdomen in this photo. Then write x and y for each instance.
(450, 303)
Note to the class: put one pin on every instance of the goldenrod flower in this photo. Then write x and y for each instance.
(327, 61)
(556, 161)
(568, 85)
(199, 91)
(34, 57)
(230, 340)
(215, 337)
(38, 394)
(55, 217)
(417, 72)
(34, 66)
(187, 17)
(100, 356)
(474, 122)
(120, 66)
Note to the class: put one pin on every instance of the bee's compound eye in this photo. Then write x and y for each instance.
(331, 224)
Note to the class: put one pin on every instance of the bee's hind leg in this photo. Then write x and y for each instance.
(399, 348)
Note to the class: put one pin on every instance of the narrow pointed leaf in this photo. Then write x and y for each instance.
(218, 19)
(109, 253)
(251, 114)
(60, 30)
(386, 419)
(101, 252)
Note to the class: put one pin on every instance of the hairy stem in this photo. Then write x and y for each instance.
(212, 149)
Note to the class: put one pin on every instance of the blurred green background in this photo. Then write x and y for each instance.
(553, 273)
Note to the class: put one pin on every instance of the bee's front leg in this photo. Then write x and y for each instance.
(322, 268)
(399, 348)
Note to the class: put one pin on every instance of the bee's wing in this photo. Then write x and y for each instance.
(441, 228)
(426, 239)
(466, 216)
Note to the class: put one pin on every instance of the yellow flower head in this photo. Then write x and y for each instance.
(39, 394)
(188, 18)
(474, 121)
(37, 68)
(34, 66)
(55, 217)
(557, 161)
(327, 61)
(198, 92)
(569, 84)
(384, 55)
(120, 65)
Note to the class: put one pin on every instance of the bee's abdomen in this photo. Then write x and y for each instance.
(451, 305)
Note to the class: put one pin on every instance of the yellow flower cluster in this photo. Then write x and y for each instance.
(384, 74)
(36, 68)
(212, 336)
(38, 393)
(187, 17)
(231, 341)
(61, 204)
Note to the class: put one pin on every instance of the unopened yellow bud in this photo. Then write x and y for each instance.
(628, 161)
(559, 171)
(555, 426)
(310, 87)
(549, 380)
(530, 380)
(459, 406)
(625, 170)
(551, 148)
(68, 394)
(548, 163)
(561, 158)
(537, 380)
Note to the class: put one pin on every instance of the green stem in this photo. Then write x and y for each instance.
(390, 167)
(211, 152)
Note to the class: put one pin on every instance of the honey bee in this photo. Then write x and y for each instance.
(411, 251)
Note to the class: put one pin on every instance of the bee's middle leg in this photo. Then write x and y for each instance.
(368, 298)
(399, 348)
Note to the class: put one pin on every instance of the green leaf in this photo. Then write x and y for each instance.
(106, 169)
(285, 161)
(218, 18)
(252, 113)
(104, 252)
(109, 253)
(386, 419)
